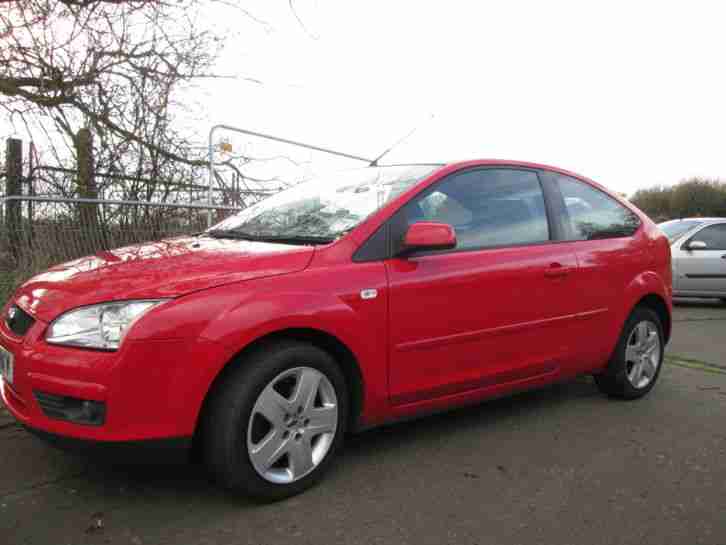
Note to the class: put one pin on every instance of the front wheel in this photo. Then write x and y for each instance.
(276, 422)
(635, 365)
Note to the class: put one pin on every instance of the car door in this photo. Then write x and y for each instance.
(703, 270)
(610, 255)
(493, 310)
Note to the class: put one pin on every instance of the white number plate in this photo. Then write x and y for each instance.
(6, 365)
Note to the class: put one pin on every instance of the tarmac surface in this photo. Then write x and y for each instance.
(563, 465)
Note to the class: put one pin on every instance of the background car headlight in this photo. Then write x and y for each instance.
(98, 326)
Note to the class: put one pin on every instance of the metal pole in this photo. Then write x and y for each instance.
(267, 137)
(211, 175)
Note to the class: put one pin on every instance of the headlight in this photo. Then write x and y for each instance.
(98, 326)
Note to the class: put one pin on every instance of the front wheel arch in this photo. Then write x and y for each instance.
(342, 355)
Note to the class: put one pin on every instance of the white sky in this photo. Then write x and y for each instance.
(631, 94)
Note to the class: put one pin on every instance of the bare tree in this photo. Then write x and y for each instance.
(112, 65)
(120, 68)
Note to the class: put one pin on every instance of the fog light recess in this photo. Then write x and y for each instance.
(71, 409)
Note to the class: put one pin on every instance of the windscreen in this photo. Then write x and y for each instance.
(326, 207)
(675, 228)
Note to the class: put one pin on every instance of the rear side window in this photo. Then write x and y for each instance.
(714, 236)
(592, 214)
(488, 207)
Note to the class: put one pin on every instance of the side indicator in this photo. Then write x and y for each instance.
(368, 294)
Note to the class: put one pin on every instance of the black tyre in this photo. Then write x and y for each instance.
(274, 425)
(635, 365)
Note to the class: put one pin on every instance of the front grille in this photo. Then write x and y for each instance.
(80, 411)
(18, 321)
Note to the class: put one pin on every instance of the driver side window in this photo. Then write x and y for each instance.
(445, 209)
(714, 236)
(486, 207)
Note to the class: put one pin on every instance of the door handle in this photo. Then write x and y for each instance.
(723, 256)
(557, 270)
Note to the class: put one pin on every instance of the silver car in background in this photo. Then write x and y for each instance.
(698, 250)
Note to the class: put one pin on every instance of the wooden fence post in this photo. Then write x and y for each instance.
(88, 213)
(13, 188)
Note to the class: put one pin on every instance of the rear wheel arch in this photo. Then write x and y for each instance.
(635, 364)
(650, 290)
(327, 342)
(656, 303)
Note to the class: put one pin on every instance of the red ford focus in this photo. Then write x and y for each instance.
(340, 304)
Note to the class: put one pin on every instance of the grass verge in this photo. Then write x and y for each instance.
(696, 364)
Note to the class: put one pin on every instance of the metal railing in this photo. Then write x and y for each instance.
(294, 143)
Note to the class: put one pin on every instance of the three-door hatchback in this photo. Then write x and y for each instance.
(340, 304)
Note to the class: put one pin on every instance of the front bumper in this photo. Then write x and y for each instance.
(149, 389)
(169, 450)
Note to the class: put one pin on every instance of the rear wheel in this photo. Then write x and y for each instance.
(274, 425)
(638, 357)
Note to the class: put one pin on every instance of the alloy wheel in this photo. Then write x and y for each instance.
(643, 354)
(292, 425)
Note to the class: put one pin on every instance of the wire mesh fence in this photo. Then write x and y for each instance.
(39, 232)
(55, 214)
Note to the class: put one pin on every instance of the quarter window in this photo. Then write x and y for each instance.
(714, 236)
(591, 214)
(487, 207)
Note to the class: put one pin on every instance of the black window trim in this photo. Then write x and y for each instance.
(550, 194)
(377, 247)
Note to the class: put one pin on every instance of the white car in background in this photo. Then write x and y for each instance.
(698, 250)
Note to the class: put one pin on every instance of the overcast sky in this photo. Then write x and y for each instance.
(629, 93)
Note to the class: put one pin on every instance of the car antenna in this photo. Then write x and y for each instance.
(374, 163)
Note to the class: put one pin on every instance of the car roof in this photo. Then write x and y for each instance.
(464, 163)
(451, 166)
(505, 162)
(704, 220)
(481, 162)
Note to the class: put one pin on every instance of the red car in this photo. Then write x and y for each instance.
(367, 297)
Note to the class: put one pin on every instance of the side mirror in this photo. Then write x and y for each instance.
(429, 235)
(697, 245)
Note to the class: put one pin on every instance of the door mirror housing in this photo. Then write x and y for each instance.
(429, 235)
(697, 245)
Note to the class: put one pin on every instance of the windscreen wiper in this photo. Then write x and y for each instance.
(228, 233)
(297, 239)
(282, 239)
